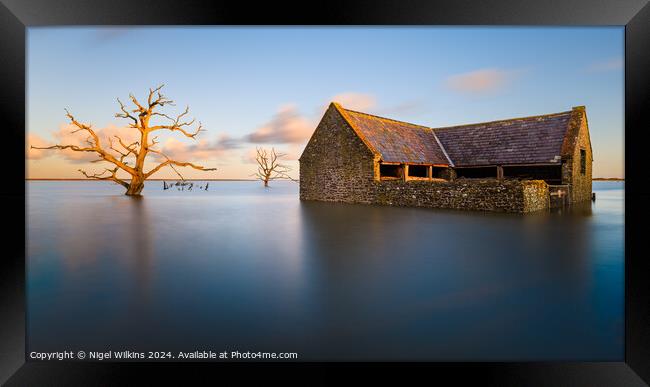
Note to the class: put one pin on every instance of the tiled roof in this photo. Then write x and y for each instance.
(396, 141)
(529, 140)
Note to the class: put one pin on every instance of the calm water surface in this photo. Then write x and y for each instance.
(243, 268)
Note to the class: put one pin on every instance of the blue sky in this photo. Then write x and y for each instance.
(269, 86)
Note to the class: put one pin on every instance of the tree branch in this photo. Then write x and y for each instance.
(112, 176)
(177, 125)
(71, 147)
(161, 100)
(135, 101)
(128, 147)
(95, 145)
(269, 168)
(171, 163)
(83, 127)
(125, 114)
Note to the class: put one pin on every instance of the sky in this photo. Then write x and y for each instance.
(268, 87)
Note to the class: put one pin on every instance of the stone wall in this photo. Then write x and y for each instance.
(336, 165)
(465, 194)
(580, 184)
(536, 195)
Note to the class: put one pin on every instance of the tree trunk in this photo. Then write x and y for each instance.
(135, 187)
(266, 183)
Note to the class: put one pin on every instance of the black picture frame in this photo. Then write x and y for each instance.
(17, 15)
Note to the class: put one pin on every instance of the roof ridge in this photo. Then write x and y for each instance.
(457, 126)
(442, 148)
(503, 120)
(386, 118)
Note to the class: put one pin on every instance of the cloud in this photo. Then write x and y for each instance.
(249, 156)
(293, 152)
(188, 150)
(408, 107)
(64, 136)
(480, 81)
(201, 149)
(355, 101)
(606, 65)
(286, 126)
(35, 154)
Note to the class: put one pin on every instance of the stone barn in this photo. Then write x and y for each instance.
(515, 165)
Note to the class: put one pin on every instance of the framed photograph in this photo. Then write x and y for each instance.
(452, 190)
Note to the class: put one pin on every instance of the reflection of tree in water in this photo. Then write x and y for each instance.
(105, 285)
(140, 232)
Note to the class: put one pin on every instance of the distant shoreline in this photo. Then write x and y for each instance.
(608, 179)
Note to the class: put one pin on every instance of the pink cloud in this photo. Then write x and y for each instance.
(249, 156)
(64, 136)
(201, 149)
(293, 152)
(35, 154)
(480, 81)
(286, 126)
(188, 150)
(355, 101)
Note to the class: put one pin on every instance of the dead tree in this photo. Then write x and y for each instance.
(130, 158)
(269, 168)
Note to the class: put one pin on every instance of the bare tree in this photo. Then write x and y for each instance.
(269, 168)
(130, 158)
